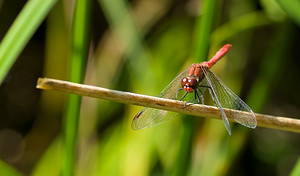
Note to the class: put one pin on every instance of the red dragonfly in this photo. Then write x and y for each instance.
(194, 81)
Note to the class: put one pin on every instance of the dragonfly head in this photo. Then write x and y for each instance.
(189, 84)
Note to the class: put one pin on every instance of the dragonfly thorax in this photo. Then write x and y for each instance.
(190, 83)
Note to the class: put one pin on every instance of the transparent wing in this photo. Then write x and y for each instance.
(225, 98)
(149, 117)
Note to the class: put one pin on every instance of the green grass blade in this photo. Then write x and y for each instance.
(296, 169)
(183, 161)
(78, 63)
(291, 7)
(27, 22)
(204, 28)
(7, 170)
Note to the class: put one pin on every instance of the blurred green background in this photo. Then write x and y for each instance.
(140, 46)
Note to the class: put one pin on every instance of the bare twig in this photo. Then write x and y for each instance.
(282, 123)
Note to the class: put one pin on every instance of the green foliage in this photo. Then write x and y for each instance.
(33, 13)
(140, 46)
(80, 42)
(291, 8)
(8, 170)
(296, 170)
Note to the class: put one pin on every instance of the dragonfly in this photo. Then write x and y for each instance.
(189, 86)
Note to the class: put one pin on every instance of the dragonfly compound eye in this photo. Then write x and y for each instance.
(193, 83)
(184, 81)
(189, 84)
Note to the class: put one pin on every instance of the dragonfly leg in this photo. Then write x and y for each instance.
(184, 105)
(199, 96)
(177, 93)
(183, 96)
(205, 86)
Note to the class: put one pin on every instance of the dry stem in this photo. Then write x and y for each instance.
(282, 123)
